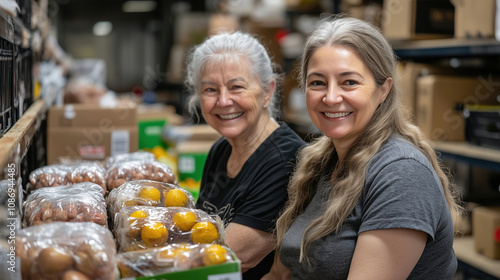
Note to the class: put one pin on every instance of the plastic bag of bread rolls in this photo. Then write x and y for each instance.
(139, 155)
(82, 202)
(148, 193)
(143, 227)
(76, 251)
(122, 172)
(67, 174)
(171, 258)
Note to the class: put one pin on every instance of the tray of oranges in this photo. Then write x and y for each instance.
(148, 193)
(143, 227)
(170, 258)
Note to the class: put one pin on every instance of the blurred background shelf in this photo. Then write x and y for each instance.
(452, 47)
(472, 264)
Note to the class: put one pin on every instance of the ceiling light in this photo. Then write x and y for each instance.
(139, 6)
(102, 28)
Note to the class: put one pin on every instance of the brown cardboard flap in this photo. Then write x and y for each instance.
(79, 115)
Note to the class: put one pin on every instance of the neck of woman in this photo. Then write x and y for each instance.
(242, 150)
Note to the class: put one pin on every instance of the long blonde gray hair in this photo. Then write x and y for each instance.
(389, 118)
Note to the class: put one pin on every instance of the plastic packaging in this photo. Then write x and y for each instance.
(68, 174)
(143, 227)
(61, 250)
(171, 258)
(153, 170)
(139, 155)
(82, 202)
(147, 193)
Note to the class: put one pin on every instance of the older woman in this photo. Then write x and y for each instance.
(246, 173)
(369, 199)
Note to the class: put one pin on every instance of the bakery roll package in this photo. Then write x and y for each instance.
(67, 174)
(59, 250)
(147, 193)
(82, 202)
(143, 227)
(121, 158)
(122, 172)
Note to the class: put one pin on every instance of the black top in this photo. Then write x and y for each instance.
(256, 195)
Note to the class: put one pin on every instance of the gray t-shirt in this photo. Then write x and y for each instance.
(401, 191)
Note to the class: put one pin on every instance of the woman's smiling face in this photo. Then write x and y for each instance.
(232, 100)
(341, 93)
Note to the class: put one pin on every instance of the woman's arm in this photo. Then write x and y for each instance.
(278, 272)
(250, 245)
(387, 254)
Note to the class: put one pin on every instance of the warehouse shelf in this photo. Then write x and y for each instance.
(440, 48)
(469, 259)
(471, 153)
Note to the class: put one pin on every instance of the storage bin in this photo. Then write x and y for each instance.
(6, 84)
(482, 125)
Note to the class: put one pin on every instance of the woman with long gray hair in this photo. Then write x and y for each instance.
(368, 199)
(231, 78)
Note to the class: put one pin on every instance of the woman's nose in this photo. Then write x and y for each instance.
(332, 95)
(224, 98)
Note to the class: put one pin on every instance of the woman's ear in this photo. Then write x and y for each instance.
(269, 93)
(385, 88)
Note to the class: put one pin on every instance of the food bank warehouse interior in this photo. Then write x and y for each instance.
(122, 141)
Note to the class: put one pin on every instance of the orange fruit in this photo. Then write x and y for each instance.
(154, 234)
(204, 232)
(151, 194)
(184, 220)
(215, 254)
(137, 215)
(175, 197)
(172, 253)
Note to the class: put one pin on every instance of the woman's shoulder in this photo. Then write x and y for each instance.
(286, 136)
(397, 148)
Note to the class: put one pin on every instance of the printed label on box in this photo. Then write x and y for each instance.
(120, 142)
(92, 152)
(186, 164)
(225, 276)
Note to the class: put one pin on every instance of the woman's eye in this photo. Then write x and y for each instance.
(237, 87)
(316, 83)
(209, 90)
(351, 83)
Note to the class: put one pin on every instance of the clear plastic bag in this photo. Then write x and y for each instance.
(153, 170)
(66, 251)
(171, 258)
(139, 155)
(143, 227)
(147, 193)
(82, 202)
(68, 174)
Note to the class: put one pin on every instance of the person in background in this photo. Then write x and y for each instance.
(231, 78)
(368, 199)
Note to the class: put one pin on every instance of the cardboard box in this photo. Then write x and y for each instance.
(437, 96)
(90, 133)
(486, 231)
(474, 19)
(410, 72)
(200, 132)
(418, 19)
